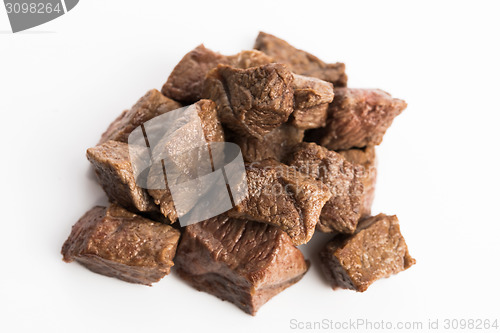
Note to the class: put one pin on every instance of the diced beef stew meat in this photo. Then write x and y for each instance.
(377, 250)
(114, 172)
(311, 99)
(275, 144)
(185, 83)
(301, 62)
(115, 242)
(268, 101)
(358, 118)
(243, 262)
(365, 157)
(149, 106)
(212, 131)
(342, 211)
(282, 196)
(252, 101)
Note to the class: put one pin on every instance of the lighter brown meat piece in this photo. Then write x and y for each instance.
(117, 243)
(213, 132)
(377, 250)
(311, 99)
(281, 196)
(301, 62)
(240, 261)
(344, 180)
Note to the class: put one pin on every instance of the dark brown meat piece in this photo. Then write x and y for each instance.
(115, 175)
(275, 144)
(243, 262)
(114, 242)
(252, 101)
(301, 62)
(149, 106)
(377, 250)
(358, 118)
(344, 180)
(282, 196)
(212, 131)
(365, 157)
(311, 99)
(185, 83)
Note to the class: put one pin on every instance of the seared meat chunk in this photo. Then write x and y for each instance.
(115, 242)
(368, 160)
(282, 196)
(344, 180)
(275, 144)
(185, 83)
(149, 106)
(180, 147)
(240, 261)
(377, 250)
(358, 118)
(115, 174)
(301, 62)
(311, 99)
(253, 101)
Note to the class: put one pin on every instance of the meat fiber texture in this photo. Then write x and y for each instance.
(115, 174)
(358, 118)
(280, 195)
(377, 250)
(117, 243)
(276, 144)
(342, 211)
(301, 62)
(366, 158)
(311, 99)
(251, 101)
(240, 261)
(212, 132)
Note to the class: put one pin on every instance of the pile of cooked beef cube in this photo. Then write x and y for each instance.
(302, 131)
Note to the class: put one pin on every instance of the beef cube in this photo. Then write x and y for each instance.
(311, 99)
(358, 118)
(377, 250)
(115, 174)
(115, 242)
(149, 106)
(275, 144)
(252, 101)
(240, 261)
(282, 196)
(365, 157)
(344, 180)
(301, 62)
(185, 83)
(212, 132)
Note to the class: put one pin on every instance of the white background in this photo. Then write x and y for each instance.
(63, 82)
